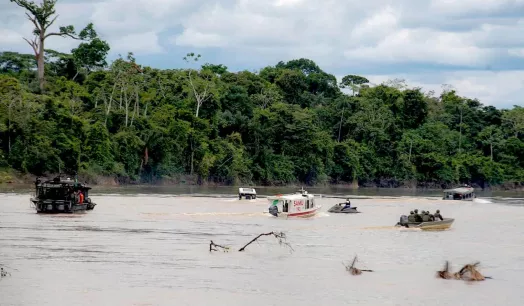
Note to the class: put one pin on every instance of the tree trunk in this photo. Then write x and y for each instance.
(491, 148)
(40, 62)
(340, 126)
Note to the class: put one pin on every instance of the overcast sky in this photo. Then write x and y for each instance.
(477, 46)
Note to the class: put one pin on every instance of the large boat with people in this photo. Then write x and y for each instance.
(300, 204)
(61, 195)
(425, 221)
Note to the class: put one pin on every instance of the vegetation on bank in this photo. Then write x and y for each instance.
(284, 124)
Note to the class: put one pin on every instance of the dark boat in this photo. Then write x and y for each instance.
(343, 209)
(61, 195)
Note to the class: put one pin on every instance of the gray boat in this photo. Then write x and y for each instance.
(426, 226)
(343, 209)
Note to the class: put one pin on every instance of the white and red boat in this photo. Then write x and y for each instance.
(299, 204)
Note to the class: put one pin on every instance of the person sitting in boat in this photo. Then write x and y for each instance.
(437, 215)
(418, 218)
(431, 217)
(348, 204)
(425, 216)
(411, 217)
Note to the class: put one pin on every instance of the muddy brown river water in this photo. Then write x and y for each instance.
(152, 249)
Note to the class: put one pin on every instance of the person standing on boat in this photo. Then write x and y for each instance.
(438, 215)
(80, 197)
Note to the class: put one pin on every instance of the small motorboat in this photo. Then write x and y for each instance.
(343, 208)
(426, 226)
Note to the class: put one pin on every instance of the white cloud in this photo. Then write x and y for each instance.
(340, 35)
(501, 89)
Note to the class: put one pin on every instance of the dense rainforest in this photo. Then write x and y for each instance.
(287, 123)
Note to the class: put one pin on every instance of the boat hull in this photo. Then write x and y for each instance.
(339, 209)
(430, 226)
(60, 207)
(303, 214)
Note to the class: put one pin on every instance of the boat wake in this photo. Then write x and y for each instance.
(395, 228)
(483, 201)
(249, 214)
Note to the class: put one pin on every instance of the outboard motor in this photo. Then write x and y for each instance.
(403, 220)
(273, 209)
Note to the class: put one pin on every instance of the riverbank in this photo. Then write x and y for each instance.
(12, 178)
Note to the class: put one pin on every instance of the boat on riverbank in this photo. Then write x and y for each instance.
(61, 195)
(465, 193)
(436, 225)
(300, 204)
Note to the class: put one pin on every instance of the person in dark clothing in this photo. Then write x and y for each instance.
(438, 215)
(418, 218)
(431, 217)
(425, 216)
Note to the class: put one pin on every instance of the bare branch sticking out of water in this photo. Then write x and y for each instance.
(354, 271)
(212, 246)
(468, 272)
(280, 236)
(445, 274)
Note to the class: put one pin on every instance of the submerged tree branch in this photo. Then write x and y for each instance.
(212, 246)
(280, 236)
(354, 271)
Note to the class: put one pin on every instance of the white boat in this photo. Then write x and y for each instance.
(247, 193)
(299, 204)
(465, 193)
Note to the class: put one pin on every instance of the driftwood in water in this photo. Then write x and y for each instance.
(468, 272)
(279, 235)
(445, 274)
(354, 271)
(212, 246)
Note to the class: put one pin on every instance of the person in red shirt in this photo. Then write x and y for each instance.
(80, 197)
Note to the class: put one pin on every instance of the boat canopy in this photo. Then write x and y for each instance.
(460, 190)
(244, 190)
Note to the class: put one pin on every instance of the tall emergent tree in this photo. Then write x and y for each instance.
(43, 16)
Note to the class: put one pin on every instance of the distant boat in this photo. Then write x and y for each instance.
(465, 193)
(300, 204)
(247, 193)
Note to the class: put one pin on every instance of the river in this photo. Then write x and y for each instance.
(151, 247)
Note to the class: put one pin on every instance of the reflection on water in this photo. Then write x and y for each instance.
(153, 250)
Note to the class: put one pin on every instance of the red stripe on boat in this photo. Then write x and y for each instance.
(301, 213)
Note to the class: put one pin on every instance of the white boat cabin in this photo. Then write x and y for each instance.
(461, 194)
(247, 193)
(300, 204)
